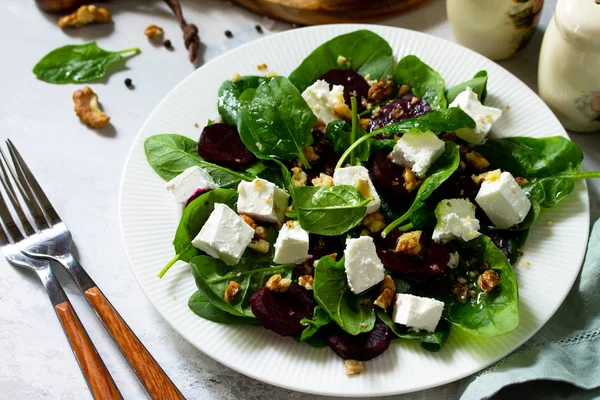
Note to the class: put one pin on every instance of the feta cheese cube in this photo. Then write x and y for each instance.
(503, 201)
(262, 200)
(190, 181)
(417, 150)
(321, 100)
(455, 219)
(483, 116)
(454, 259)
(359, 178)
(363, 267)
(417, 312)
(291, 246)
(224, 235)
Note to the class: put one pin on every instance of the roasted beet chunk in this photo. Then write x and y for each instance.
(363, 347)
(321, 246)
(408, 106)
(221, 144)
(387, 178)
(354, 85)
(282, 312)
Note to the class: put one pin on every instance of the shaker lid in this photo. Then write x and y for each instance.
(580, 18)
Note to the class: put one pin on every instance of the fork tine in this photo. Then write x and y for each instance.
(27, 228)
(38, 193)
(12, 230)
(25, 190)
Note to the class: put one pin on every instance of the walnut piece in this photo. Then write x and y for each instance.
(249, 221)
(410, 180)
(410, 243)
(278, 284)
(232, 289)
(262, 67)
(403, 90)
(353, 367)
(306, 281)
(87, 109)
(387, 293)
(322, 180)
(154, 32)
(298, 177)
(260, 232)
(487, 176)
(85, 15)
(461, 291)
(259, 245)
(477, 160)
(488, 280)
(380, 90)
(309, 153)
(374, 222)
(521, 181)
(342, 110)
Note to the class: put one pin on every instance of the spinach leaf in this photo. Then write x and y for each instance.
(430, 341)
(320, 319)
(548, 192)
(354, 314)
(341, 135)
(77, 63)
(533, 158)
(447, 120)
(487, 314)
(212, 277)
(424, 81)
(204, 309)
(438, 173)
(230, 96)
(170, 154)
(193, 219)
(278, 122)
(478, 84)
(365, 51)
(329, 210)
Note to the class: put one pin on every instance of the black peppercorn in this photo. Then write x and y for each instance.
(128, 83)
(167, 44)
(258, 29)
(228, 34)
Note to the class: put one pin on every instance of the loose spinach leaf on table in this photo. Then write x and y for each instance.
(329, 210)
(170, 154)
(478, 84)
(487, 314)
(77, 63)
(430, 341)
(204, 309)
(278, 122)
(365, 51)
(320, 319)
(231, 94)
(212, 277)
(424, 81)
(193, 219)
(438, 173)
(354, 314)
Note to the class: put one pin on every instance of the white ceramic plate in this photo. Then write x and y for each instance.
(149, 217)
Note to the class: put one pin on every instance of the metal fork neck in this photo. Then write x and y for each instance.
(81, 278)
(55, 292)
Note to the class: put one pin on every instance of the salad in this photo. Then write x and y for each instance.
(359, 201)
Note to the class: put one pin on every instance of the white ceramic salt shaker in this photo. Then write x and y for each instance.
(495, 28)
(569, 68)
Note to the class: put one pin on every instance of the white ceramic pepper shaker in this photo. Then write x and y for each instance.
(569, 68)
(495, 28)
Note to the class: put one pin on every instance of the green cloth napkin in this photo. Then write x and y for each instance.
(566, 349)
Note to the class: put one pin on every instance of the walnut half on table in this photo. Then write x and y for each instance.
(84, 15)
(87, 109)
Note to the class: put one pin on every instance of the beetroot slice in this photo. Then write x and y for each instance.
(363, 347)
(354, 85)
(387, 178)
(432, 261)
(221, 144)
(282, 312)
(399, 110)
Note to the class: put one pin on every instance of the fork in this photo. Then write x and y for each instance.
(50, 239)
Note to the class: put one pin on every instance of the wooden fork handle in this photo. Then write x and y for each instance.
(97, 376)
(157, 383)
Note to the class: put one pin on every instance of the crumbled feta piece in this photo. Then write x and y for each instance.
(417, 312)
(224, 235)
(321, 100)
(363, 267)
(190, 181)
(455, 219)
(359, 178)
(291, 246)
(262, 200)
(417, 150)
(454, 259)
(503, 201)
(483, 116)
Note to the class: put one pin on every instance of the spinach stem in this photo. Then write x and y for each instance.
(354, 146)
(354, 127)
(170, 264)
(406, 227)
(397, 222)
(584, 175)
(136, 50)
